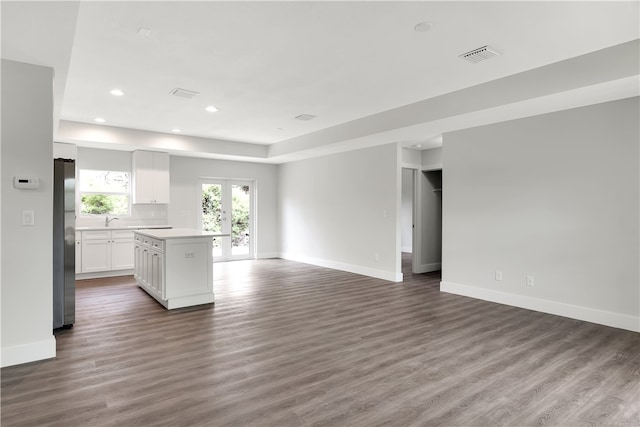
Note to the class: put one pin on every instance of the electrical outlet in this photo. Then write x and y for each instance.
(498, 275)
(530, 281)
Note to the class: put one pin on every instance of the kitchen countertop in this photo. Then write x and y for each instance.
(177, 233)
(125, 227)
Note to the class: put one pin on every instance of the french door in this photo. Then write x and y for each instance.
(226, 207)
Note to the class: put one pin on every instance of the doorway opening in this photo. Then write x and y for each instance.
(421, 221)
(226, 207)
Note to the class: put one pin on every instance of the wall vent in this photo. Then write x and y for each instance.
(305, 117)
(183, 93)
(480, 54)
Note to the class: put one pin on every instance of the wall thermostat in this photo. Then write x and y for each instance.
(26, 182)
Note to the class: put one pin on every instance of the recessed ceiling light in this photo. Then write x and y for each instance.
(211, 109)
(176, 130)
(423, 27)
(116, 92)
(99, 120)
(144, 32)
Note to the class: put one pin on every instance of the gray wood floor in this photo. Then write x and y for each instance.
(289, 344)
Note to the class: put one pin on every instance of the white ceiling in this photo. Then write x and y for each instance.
(263, 63)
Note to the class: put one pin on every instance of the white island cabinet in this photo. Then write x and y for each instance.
(175, 266)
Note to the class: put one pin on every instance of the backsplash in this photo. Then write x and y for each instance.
(140, 215)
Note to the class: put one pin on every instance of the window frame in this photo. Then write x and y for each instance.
(81, 193)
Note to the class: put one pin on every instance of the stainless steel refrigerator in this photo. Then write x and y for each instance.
(64, 248)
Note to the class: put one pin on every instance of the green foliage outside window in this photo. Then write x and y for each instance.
(212, 212)
(104, 204)
(103, 192)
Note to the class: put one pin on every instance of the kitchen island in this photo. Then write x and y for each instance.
(175, 266)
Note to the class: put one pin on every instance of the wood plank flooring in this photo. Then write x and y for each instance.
(289, 344)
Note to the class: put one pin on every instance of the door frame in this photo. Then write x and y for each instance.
(228, 182)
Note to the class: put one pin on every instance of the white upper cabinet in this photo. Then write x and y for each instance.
(150, 177)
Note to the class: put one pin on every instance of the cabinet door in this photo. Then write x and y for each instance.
(96, 255)
(157, 262)
(122, 254)
(137, 264)
(161, 177)
(143, 177)
(145, 265)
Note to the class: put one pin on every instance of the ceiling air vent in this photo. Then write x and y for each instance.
(480, 54)
(305, 117)
(183, 93)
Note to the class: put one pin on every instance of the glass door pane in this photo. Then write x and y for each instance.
(212, 213)
(240, 219)
(227, 209)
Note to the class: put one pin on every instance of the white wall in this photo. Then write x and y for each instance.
(95, 158)
(554, 196)
(410, 158)
(342, 211)
(27, 257)
(432, 159)
(406, 209)
(186, 173)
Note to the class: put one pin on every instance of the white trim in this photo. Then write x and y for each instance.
(593, 315)
(427, 268)
(351, 268)
(432, 167)
(407, 249)
(407, 165)
(30, 352)
(268, 255)
(101, 274)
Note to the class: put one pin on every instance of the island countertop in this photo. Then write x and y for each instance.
(178, 233)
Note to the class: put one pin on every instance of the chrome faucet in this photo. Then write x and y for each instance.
(107, 221)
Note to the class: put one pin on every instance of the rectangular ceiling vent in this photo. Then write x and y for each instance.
(183, 93)
(305, 117)
(480, 54)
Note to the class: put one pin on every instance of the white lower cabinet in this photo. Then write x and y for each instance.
(106, 250)
(148, 270)
(177, 271)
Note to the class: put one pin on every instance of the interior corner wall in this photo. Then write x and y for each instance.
(555, 197)
(186, 173)
(342, 211)
(27, 251)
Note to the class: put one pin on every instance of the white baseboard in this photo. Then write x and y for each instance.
(427, 268)
(351, 268)
(101, 274)
(31, 352)
(268, 255)
(601, 317)
(407, 249)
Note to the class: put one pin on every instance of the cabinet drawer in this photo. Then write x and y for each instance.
(96, 234)
(157, 245)
(122, 234)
